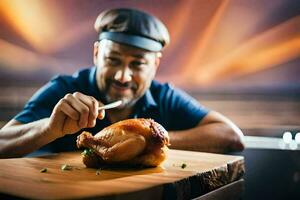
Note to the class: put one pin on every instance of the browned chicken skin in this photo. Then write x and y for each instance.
(131, 142)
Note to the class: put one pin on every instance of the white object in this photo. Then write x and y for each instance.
(297, 138)
(293, 145)
(110, 105)
(287, 137)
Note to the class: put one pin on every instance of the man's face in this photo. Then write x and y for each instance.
(124, 72)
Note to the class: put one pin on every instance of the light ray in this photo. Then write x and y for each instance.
(34, 21)
(20, 60)
(203, 41)
(275, 41)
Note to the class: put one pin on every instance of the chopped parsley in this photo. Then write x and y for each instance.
(87, 152)
(43, 170)
(183, 165)
(98, 172)
(65, 167)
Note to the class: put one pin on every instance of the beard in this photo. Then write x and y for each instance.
(128, 100)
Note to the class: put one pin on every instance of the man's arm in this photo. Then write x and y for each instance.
(72, 113)
(17, 139)
(215, 133)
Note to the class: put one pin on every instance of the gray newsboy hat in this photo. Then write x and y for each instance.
(132, 27)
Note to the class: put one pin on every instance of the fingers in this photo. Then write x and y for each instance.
(92, 104)
(68, 109)
(81, 108)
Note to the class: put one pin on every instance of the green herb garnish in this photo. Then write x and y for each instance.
(43, 170)
(98, 172)
(87, 152)
(65, 167)
(183, 165)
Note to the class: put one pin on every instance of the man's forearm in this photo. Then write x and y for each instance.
(19, 140)
(213, 137)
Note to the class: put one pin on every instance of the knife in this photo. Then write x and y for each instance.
(110, 105)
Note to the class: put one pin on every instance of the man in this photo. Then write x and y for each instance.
(126, 59)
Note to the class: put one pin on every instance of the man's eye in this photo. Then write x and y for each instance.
(138, 64)
(112, 61)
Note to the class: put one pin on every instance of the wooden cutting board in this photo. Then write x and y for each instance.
(204, 172)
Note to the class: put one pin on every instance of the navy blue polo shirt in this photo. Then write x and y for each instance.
(172, 108)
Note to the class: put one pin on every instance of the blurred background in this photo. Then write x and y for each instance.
(239, 57)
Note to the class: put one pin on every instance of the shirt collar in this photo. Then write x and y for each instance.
(93, 82)
(147, 100)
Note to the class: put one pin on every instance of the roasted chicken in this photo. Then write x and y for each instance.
(130, 142)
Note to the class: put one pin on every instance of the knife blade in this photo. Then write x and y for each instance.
(110, 105)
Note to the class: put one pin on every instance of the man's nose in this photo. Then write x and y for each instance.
(123, 75)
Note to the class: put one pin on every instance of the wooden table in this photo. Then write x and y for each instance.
(204, 172)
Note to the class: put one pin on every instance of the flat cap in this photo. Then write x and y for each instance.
(132, 27)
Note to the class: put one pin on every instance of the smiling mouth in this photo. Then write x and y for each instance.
(121, 87)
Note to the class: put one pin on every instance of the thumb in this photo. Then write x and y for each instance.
(101, 114)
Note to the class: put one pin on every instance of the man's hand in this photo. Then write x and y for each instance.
(70, 114)
(74, 112)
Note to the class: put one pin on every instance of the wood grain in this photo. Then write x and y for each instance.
(204, 172)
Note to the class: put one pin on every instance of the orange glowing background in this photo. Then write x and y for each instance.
(221, 45)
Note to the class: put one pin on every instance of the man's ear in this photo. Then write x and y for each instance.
(157, 59)
(96, 50)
